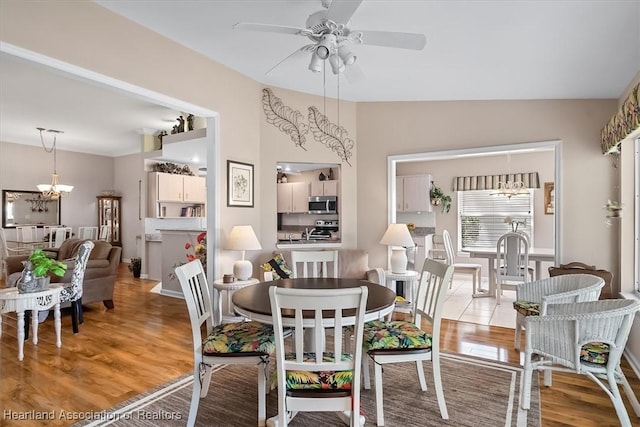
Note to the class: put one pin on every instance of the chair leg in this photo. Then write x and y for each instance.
(108, 303)
(525, 395)
(365, 371)
(74, 316)
(80, 314)
(195, 396)
(629, 392)
(263, 370)
(206, 380)
(519, 322)
(616, 399)
(498, 291)
(420, 369)
(378, 380)
(437, 380)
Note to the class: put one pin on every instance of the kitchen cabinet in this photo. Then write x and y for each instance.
(109, 218)
(173, 195)
(324, 188)
(412, 193)
(293, 197)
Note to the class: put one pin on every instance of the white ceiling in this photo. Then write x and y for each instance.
(476, 50)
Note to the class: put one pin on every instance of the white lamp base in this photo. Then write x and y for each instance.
(243, 269)
(398, 259)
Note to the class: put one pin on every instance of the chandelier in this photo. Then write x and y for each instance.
(511, 188)
(55, 190)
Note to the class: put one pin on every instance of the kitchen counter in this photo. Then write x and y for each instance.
(308, 244)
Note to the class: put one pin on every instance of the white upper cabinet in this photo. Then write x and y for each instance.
(412, 193)
(324, 188)
(293, 197)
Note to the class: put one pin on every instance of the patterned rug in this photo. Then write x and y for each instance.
(478, 393)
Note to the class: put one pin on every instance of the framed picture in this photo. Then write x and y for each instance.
(549, 198)
(239, 184)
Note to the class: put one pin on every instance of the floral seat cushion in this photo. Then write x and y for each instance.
(394, 335)
(310, 380)
(239, 337)
(527, 308)
(595, 352)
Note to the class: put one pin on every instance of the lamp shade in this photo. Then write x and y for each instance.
(397, 235)
(243, 238)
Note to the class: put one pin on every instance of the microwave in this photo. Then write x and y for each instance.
(323, 205)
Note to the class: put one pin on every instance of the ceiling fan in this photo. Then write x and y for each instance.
(332, 38)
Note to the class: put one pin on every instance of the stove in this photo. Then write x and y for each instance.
(323, 229)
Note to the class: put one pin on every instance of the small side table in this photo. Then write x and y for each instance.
(410, 277)
(229, 315)
(11, 300)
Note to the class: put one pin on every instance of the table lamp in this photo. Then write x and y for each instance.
(398, 237)
(242, 238)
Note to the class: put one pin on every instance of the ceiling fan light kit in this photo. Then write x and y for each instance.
(329, 31)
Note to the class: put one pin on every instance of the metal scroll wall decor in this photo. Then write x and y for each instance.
(331, 135)
(285, 118)
(290, 122)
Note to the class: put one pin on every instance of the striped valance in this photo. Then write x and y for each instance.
(623, 123)
(490, 182)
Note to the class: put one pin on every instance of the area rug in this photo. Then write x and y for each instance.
(478, 393)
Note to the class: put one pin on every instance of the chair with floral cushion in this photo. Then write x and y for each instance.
(586, 338)
(533, 298)
(404, 341)
(243, 343)
(318, 380)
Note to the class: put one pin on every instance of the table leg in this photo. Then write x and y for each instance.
(20, 332)
(218, 314)
(58, 324)
(34, 326)
(491, 262)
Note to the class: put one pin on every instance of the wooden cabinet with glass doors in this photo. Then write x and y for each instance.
(109, 219)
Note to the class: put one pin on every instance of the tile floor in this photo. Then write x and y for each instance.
(460, 305)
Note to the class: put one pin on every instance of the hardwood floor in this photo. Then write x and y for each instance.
(146, 341)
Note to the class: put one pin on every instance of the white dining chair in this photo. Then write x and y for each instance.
(321, 381)
(88, 233)
(405, 341)
(240, 343)
(512, 265)
(58, 235)
(26, 233)
(314, 263)
(7, 252)
(475, 270)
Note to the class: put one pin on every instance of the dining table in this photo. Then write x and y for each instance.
(537, 255)
(253, 301)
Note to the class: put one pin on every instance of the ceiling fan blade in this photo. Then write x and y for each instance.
(297, 53)
(341, 11)
(394, 39)
(269, 28)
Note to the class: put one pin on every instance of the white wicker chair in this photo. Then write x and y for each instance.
(532, 298)
(564, 339)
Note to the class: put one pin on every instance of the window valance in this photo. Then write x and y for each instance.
(490, 182)
(623, 123)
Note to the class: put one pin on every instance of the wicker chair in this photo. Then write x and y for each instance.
(532, 298)
(586, 338)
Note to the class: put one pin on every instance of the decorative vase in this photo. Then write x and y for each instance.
(322, 177)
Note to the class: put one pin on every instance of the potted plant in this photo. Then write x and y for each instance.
(135, 266)
(438, 198)
(38, 267)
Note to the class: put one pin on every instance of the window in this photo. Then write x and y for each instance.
(482, 214)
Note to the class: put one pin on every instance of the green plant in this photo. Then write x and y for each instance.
(43, 265)
(438, 198)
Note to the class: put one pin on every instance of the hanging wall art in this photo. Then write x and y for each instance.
(331, 135)
(285, 118)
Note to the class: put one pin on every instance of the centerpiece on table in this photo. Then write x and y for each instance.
(35, 276)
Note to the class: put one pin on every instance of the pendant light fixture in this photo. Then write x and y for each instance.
(510, 187)
(54, 190)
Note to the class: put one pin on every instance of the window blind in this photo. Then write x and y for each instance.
(481, 217)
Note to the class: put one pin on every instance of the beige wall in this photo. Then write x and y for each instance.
(128, 170)
(415, 127)
(23, 167)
